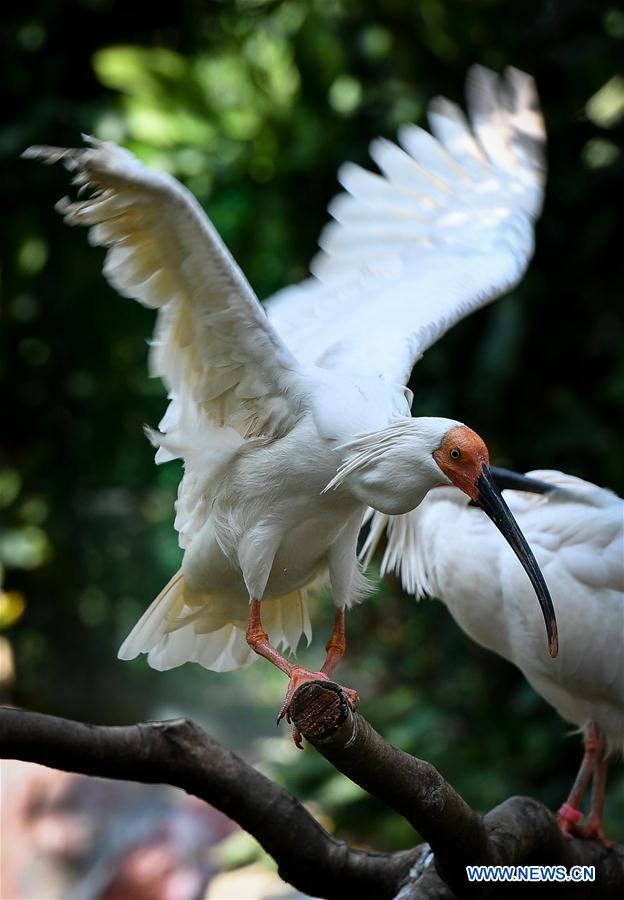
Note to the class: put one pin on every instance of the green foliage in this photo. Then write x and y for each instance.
(254, 105)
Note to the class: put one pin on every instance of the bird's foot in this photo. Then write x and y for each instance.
(300, 676)
(568, 818)
(593, 830)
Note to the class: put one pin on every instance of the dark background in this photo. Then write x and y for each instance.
(254, 105)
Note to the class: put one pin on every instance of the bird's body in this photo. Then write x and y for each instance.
(272, 529)
(577, 533)
(291, 425)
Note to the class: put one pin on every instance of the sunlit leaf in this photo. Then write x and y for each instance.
(600, 152)
(10, 485)
(32, 255)
(606, 107)
(12, 606)
(34, 511)
(345, 95)
(24, 548)
(271, 59)
(138, 70)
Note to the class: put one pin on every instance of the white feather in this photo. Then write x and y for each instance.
(218, 355)
(180, 627)
(447, 229)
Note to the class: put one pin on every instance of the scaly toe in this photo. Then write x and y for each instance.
(352, 696)
(298, 676)
(569, 818)
(567, 828)
(301, 676)
(592, 830)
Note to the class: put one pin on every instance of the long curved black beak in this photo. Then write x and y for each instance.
(491, 501)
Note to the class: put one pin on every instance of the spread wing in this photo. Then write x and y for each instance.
(446, 228)
(220, 358)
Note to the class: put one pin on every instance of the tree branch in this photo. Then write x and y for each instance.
(181, 754)
(414, 788)
(518, 831)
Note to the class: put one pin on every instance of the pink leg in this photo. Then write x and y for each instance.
(335, 646)
(258, 640)
(594, 765)
(593, 827)
(569, 813)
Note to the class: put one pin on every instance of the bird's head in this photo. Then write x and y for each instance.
(394, 468)
(463, 459)
(461, 456)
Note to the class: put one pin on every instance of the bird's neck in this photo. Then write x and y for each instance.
(392, 469)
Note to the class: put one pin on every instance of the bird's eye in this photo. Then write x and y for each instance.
(455, 453)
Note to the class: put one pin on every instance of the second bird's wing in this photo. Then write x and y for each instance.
(214, 348)
(446, 228)
(579, 521)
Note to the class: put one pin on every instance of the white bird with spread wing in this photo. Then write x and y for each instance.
(291, 426)
(577, 531)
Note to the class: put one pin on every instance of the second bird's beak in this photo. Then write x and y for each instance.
(490, 499)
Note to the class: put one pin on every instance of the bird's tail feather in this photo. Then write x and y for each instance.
(179, 628)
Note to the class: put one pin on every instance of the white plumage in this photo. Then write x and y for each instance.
(267, 412)
(446, 228)
(577, 534)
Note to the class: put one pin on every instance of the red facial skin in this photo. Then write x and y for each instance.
(463, 471)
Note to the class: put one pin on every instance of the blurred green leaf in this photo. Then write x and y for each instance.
(12, 606)
(24, 548)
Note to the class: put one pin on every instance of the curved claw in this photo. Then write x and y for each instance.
(301, 676)
(568, 828)
(298, 676)
(297, 738)
(592, 830)
(569, 820)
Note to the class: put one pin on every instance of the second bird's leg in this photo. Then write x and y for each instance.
(258, 640)
(593, 827)
(569, 814)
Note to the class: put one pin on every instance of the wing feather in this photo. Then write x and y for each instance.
(229, 375)
(446, 228)
(214, 348)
